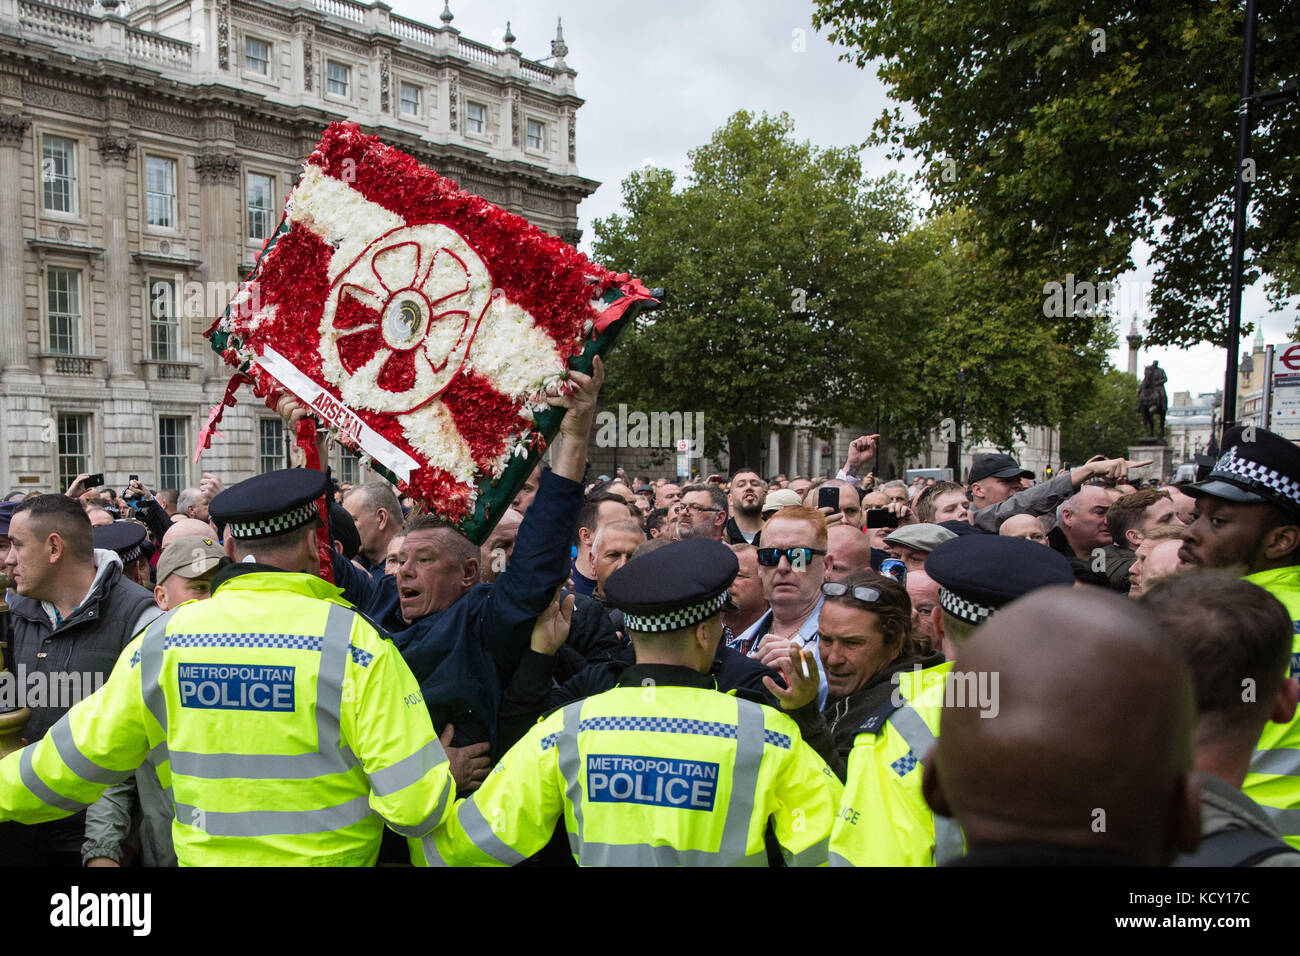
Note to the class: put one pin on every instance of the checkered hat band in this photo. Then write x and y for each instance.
(962, 609)
(672, 620)
(131, 555)
(1256, 476)
(276, 524)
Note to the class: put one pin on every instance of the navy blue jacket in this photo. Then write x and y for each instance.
(464, 656)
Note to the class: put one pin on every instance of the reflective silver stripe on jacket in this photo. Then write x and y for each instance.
(1284, 762)
(948, 841)
(1287, 821)
(408, 770)
(261, 823)
(481, 834)
(32, 781)
(736, 824)
(151, 657)
(331, 756)
(61, 736)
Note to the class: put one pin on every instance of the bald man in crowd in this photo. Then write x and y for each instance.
(1029, 527)
(847, 550)
(1053, 779)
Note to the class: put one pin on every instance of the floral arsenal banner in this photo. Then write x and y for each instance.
(420, 323)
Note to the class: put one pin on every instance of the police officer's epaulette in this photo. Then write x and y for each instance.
(875, 723)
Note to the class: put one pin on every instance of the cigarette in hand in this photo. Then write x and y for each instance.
(803, 662)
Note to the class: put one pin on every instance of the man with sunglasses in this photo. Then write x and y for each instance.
(865, 638)
(792, 567)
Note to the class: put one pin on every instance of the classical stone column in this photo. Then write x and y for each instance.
(219, 211)
(13, 331)
(115, 149)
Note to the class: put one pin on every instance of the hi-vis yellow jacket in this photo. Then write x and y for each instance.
(1274, 778)
(658, 775)
(883, 819)
(286, 731)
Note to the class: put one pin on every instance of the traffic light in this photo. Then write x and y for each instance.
(1049, 471)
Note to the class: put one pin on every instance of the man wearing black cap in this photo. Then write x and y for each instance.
(885, 820)
(662, 770)
(1247, 519)
(995, 487)
(273, 679)
(73, 614)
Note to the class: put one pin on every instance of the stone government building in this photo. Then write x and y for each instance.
(145, 155)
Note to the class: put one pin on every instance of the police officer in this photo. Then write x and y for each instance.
(663, 769)
(286, 731)
(884, 819)
(1247, 518)
(127, 539)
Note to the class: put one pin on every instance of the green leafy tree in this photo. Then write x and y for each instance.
(1107, 421)
(773, 254)
(1074, 130)
(800, 292)
(982, 354)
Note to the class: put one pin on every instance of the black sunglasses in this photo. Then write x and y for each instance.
(798, 557)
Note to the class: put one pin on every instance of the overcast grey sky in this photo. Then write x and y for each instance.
(660, 77)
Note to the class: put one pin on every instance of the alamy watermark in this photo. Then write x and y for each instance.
(977, 689)
(46, 689)
(682, 431)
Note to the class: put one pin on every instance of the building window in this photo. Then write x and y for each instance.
(410, 99)
(261, 200)
(349, 470)
(475, 117)
(173, 449)
(63, 288)
(257, 58)
(270, 445)
(164, 325)
(59, 174)
(74, 448)
(535, 140)
(160, 191)
(336, 78)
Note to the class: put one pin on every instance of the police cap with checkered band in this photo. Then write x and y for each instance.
(270, 504)
(1258, 467)
(675, 586)
(124, 537)
(979, 573)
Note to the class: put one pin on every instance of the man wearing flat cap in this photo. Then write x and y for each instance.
(1247, 519)
(275, 679)
(885, 820)
(663, 770)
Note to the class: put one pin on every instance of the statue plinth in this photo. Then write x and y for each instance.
(1158, 453)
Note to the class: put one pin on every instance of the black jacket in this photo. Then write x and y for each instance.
(87, 643)
(1082, 569)
(535, 692)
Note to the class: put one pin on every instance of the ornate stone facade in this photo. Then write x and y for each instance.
(145, 157)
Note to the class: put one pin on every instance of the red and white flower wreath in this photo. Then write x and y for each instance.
(422, 323)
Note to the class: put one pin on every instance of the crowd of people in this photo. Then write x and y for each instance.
(748, 668)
